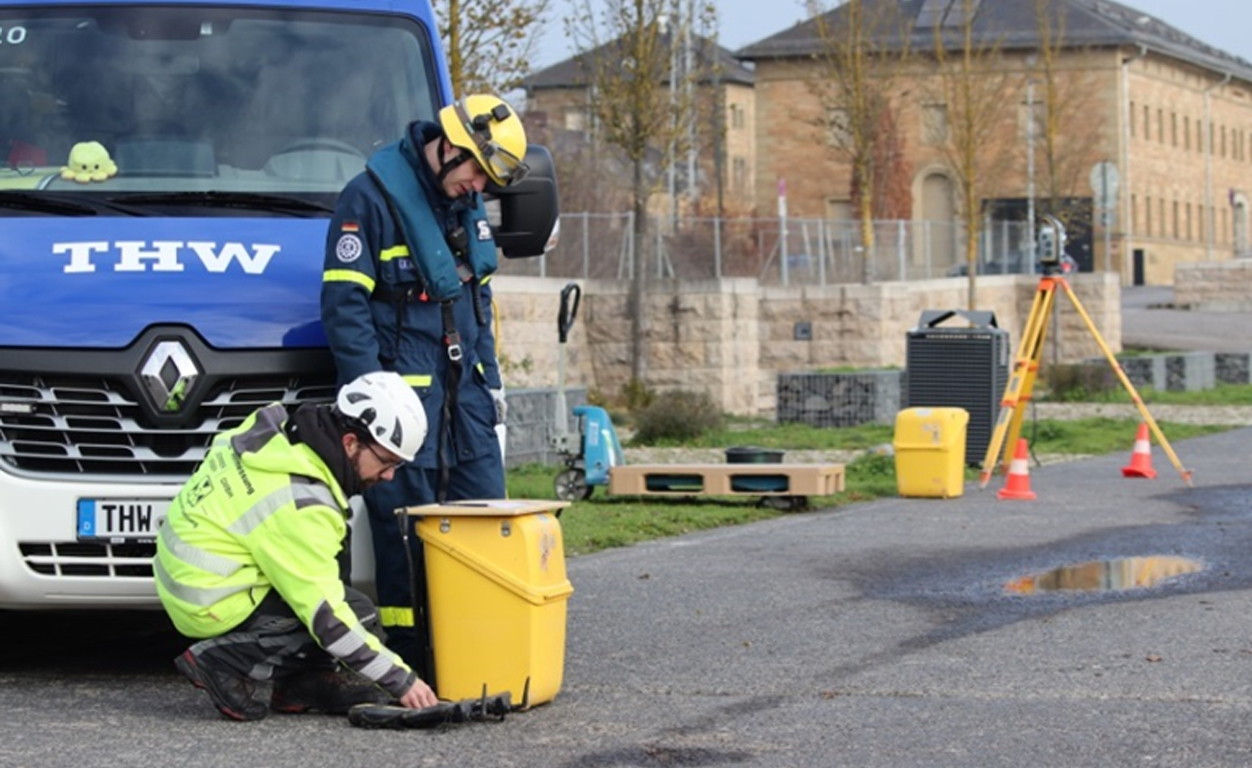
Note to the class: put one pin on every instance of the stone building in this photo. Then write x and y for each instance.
(1147, 118)
(720, 165)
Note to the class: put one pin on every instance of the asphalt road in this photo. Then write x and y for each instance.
(1150, 321)
(876, 635)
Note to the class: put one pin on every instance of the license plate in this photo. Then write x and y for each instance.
(119, 520)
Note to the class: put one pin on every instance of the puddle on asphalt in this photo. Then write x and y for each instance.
(1105, 575)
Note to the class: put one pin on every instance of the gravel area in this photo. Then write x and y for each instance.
(1237, 415)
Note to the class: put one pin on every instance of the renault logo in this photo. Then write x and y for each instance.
(168, 374)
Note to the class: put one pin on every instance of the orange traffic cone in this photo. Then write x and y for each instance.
(1141, 458)
(1018, 485)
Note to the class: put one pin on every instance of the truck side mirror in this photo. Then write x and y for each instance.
(529, 210)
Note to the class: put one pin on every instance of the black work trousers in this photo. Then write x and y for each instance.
(272, 644)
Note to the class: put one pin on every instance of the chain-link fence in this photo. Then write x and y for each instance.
(775, 251)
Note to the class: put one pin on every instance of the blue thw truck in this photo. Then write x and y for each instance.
(167, 172)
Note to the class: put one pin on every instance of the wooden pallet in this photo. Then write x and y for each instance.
(727, 479)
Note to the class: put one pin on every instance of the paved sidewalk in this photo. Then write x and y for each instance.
(876, 635)
(1150, 321)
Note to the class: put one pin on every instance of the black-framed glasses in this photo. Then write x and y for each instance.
(388, 464)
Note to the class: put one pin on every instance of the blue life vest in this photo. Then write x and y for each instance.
(394, 169)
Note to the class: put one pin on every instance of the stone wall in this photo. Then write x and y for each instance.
(1214, 286)
(731, 338)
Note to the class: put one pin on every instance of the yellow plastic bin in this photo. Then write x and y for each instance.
(496, 592)
(930, 452)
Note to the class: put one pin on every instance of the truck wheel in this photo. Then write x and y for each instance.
(571, 485)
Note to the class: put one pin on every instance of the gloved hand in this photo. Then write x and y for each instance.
(502, 405)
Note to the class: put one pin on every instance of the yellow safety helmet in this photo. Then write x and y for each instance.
(489, 129)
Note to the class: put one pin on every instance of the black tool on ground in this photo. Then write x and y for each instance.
(394, 717)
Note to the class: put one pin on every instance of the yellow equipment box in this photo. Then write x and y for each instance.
(496, 592)
(930, 452)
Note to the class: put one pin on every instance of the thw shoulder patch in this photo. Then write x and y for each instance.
(349, 247)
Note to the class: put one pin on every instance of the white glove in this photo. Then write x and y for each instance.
(502, 405)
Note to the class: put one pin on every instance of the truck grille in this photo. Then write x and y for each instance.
(89, 559)
(146, 412)
(86, 424)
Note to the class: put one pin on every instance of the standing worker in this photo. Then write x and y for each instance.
(405, 288)
(252, 557)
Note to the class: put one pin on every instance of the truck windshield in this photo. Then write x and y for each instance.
(121, 102)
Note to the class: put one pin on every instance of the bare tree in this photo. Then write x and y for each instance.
(626, 49)
(489, 42)
(863, 48)
(973, 86)
(1067, 113)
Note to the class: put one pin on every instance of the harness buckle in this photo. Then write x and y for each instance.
(453, 342)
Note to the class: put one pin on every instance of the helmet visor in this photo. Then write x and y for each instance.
(502, 165)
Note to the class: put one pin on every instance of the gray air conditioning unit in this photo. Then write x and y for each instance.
(962, 365)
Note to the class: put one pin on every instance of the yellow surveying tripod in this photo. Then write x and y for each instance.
(1030, 353)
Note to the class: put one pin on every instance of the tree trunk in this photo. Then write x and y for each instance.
(639, 277)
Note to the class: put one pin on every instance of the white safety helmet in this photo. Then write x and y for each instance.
(388, 409)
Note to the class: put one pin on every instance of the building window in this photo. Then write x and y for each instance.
(1164, 221)
(739, 174)
(1188, 221)
(1186, 133)
(934, 123)
(1223, 141)
(1176, 222)
(1173, 129)
(1134, 214)
(736, 116)
(1147, 124)
(575, 120)
(1147, 216)
(1160, 125)
(1132, 119)
(839, 128)
(1039, 112)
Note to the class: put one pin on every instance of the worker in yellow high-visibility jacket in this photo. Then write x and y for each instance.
(251, 556)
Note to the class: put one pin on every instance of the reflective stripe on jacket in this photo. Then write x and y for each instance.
(258, 514)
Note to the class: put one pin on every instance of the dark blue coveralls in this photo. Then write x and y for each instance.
(377, 317)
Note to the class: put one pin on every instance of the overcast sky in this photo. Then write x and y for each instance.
(1224, 24)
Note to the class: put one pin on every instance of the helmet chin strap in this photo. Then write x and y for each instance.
(447, 166)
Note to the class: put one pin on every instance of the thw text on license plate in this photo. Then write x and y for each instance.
(120, 519)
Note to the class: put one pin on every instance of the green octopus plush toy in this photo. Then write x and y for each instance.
(89, 161)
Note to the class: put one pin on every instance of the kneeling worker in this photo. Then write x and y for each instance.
(250, 557)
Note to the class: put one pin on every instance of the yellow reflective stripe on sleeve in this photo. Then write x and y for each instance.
(395, 617)
(395, 252)
(417, 380)
(485, 280)
(348, 276)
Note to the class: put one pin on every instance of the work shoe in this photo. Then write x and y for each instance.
(230, 694)
(325, 691)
